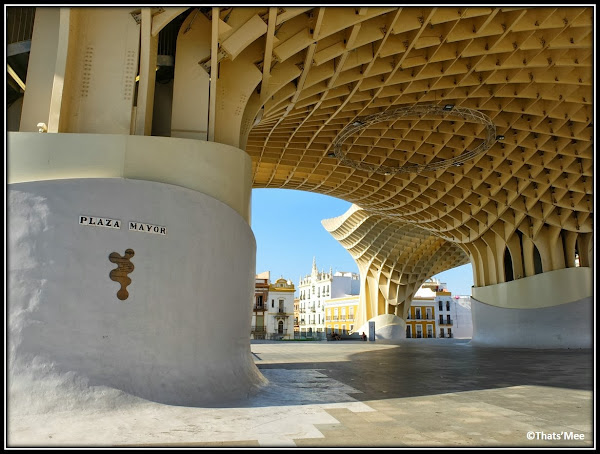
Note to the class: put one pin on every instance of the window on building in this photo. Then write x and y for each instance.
(418, 313)
(448, 319)
(272, 303)
(351, 314)
(447, 305)
(343, 329)
(335, 314)
(419, 331)
(408, 332)
(441, 319)
(449, 332)
(430, 331)
(441, 306)
(442, 332)
(280, 327)
(428, 313)
(343, 313)
(281, 306)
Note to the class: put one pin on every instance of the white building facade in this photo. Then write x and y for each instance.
(280, 314)
(273, 308)
(315, 290)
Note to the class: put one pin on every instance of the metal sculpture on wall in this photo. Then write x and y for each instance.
(120, 273)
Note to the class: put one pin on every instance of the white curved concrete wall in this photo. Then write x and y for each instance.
(218, 170)
(559, 326)
(387, 327)
(462, 327)
(548, 310)
(541, 290)
(181, 337)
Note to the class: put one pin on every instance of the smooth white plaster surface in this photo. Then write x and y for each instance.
(551, 288)
(387, 327)
(564, 326)
(460, 312)
(182, 336)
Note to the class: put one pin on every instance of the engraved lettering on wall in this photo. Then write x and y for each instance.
(129, 75)
(87, 71)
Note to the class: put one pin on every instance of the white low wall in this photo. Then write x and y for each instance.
(182, 335)
(548, 310)
(541, 290)
(561, 326)
(387, 327)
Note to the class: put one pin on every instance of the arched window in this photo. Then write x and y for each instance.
(508, 266)
(537, 260)
(280, 327)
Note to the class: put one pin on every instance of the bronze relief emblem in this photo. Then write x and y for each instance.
(119, 274)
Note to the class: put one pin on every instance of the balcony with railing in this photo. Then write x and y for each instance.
(259, 307)
(259, 329)
(447, 321)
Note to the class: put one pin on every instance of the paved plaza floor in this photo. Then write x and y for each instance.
(351, 394)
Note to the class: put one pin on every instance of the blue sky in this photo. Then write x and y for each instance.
(288, 231)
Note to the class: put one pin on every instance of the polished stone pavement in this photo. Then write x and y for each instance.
(417, 393)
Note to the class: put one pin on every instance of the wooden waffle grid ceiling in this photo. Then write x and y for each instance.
(401, 256)
(528, 69)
